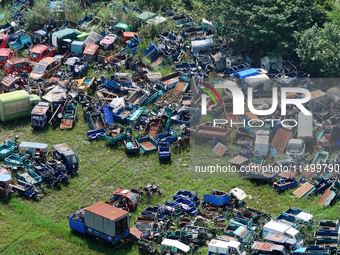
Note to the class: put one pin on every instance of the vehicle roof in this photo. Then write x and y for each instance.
(91, 49)
(278, 226)
(4, 51)
(263, 246)
(123, 192)
(14, 96)
(17, 60)
(61, 147)
(177, 244)
(223, 244)
(46, 61)
(39, 48)
(130, 34)
(3, 36)
(105, 210)
(33, 145)
(39, 109)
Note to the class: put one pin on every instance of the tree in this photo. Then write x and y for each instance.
(264, 25)
(319, 50)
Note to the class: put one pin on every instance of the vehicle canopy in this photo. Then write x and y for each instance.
(146, 15)
(198, 45)
(123, 26)
(5, 176)
(91, 49)
(67, 33)
(238, 193)
(222, 247)
(295, 145)
(10, 100)
(177, 244)
(24, 146)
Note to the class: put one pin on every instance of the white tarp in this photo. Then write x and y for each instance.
(157, 20)
(117, 103)
(176, 244)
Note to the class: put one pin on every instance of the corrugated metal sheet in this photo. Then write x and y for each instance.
(281, 140)
(103, 217)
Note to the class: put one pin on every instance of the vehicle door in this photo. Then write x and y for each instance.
(27, 66)
(43, 54)
(54, 65)
(77, 223)
(50, 52)
(18, 67)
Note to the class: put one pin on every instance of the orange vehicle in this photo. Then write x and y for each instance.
(128, 36)
(45, 68)
(39, 52)
(6, 54)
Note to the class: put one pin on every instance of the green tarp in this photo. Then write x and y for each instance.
(146, 15)
(122, 25)
(67, 33)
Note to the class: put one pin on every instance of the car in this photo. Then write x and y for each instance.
(40, 51)
(45, 68)
(6, 54)
(19, 65)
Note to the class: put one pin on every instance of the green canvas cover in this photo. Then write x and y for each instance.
(146, 15)
(67, 33)
(122, 25)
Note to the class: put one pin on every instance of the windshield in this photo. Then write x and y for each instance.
(8, 65)
(3, 58)
(39, 69)
(294, 147)
(72, 159)
(240, 248)
(297, 237)
(33, 55)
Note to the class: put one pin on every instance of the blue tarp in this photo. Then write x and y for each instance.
(247, 73)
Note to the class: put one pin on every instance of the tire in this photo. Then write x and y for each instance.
(37, 198)
(58, 186)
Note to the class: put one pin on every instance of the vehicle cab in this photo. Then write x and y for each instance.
(124, 199)
(3, 40)
(40, 114)
(225, 248)
(295, 147)
(6, 54)
(45, 68)
(63, 153)
(129, 35)
(39, 52)
(19, 65)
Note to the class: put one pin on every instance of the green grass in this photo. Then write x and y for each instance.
(42, 227)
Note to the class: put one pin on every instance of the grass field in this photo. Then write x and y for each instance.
(29, 227)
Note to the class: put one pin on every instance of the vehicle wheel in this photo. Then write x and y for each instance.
(66, 182)
(37, 198)
(58, 186)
